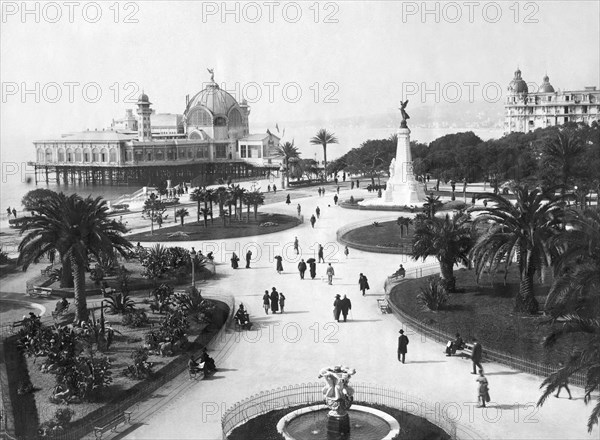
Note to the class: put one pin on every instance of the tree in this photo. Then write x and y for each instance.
(431, 205)
(561, 155)
(77, 228)
(199, 195)
(181, 213)
(287, 151)
(237, 195)
(205, 213)
(255, 198)
(522, 231)
(35, 198)
(449, 239)
(154, 209)
(220, 195)
(323, 137)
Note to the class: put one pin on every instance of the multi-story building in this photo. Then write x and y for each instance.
(527, 110)
(210, 140)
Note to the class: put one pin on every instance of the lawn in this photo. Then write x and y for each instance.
(385, 235)
(265, 224)
(486, 312)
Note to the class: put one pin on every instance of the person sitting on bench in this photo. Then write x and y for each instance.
(453, 346)
(209, 363)
(61, 306)
(242, 318)
(193, 366)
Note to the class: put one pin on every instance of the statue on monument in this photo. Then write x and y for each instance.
(338, 393)
(212, 75)
(404, 114)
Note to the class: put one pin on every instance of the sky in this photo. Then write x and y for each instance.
(70, 68)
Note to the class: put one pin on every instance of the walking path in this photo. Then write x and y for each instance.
(291, 348)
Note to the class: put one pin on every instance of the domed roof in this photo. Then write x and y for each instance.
(214, 99)
(518, 84)
(546, 87)
(143, 98)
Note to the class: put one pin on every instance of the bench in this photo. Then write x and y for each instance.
(58, 313)
(17, 324)
(44, 292)
(384, 305)
(111, 425)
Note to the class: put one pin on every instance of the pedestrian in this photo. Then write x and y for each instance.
(279, 266)
(281, 302)
(335, 180)
(318, 190)
(352, 184)
(322, 192)
(337, 308)
(313, 268)
(287, 200)
(483, 390)
(269, 188)
(330, 273)
(248, 258)
(335, 199)
(564, 384)
(299, 209)
(346, 306)
(344, 176)
(338, 189)
(402, 346)
(401, 271)
(313, 220)
(234, 261)
(320, 254)
(14, 211)
(266, 301)
(274, 188)
(9, 211)
(357, 183)
(302, 268)
(363, 283)
(346, 251)
(296, 245)
(476, 355)
(318, 212)
(274, 301)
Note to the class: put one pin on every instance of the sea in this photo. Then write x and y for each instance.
(16, 178)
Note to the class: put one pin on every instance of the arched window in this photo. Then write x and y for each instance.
(220, 121)
(104, 155)
(40, 155)
(95, 155)
(61, 155)
(160, 155)
(113, 155)
(69, 155)
(235, 118)
(199, 116)
(48, 155)
(195, 135)
(78, 155)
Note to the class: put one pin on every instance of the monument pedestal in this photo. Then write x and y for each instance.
(338, 427)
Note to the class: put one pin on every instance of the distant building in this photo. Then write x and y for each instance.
(209, 141)
(527, 110)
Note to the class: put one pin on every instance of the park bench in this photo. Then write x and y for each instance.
(57, 313)
(17, 324)
(384, 305)
(38, 291)
(467, 350)
(111, 425)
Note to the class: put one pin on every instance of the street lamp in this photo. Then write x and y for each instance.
(193, 257)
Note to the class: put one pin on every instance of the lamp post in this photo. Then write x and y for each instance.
(193, 257)
(282, 171)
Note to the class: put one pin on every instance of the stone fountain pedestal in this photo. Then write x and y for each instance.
(403, 188)
(338, 426)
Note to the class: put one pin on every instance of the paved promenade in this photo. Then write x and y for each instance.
(290, 348)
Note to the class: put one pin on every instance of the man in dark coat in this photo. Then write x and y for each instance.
(346, 305)
(302, 268)
(402, 346)
(313, 220)
(337, 308)
(335, 199)
(248, 258)
(320, 254)
(313, 268)
(363, 283)
(476, 356)
(274, 300)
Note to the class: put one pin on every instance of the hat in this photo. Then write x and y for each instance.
(401, 331)
(338, 295)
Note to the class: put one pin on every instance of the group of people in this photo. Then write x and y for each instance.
(13, 212)
(341, 305)
(274, 188)
(204, 364)
(235, 259)
(274, 301)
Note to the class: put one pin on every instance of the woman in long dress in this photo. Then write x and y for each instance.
(279, 263)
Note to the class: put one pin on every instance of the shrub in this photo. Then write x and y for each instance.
(163, 298)
(97, 275)
(120, 303)
(141, 368)
(434, 296)
(53, 427)
(24, 387)
(123, 279)
(3, 256)
(135, 318)
(194, 306)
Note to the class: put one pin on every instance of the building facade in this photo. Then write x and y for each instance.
(213, 129)
(527, 110)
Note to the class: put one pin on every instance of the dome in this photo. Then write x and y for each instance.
(144, 98)
(518, 84)
(546, 87)
(214, 99)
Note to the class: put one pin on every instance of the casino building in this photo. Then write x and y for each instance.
(209, 141)
(527, 110)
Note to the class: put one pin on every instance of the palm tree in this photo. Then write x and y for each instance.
(198, 195)
(220, 195)
(586, 360)
(323, 137)
(154, 208)
(562, 155)
(522, 231)
(78, 228)
(205, 213)
(256, 198)
(237, 194)
(577, 267)
(181, 213)
(449, 239)
(431, 205)
(287, 151)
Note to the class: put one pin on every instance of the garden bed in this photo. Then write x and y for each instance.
(194, 231)
(486, 311)
(382, 238)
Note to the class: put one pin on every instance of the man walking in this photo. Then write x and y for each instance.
(330, 273)
(313, 220)
(345, 305)
(299, 208)
(318, 212)
(302, 268)
(313, 268)
(248, 258)
(274, 301)
(337, 308)
(296, 245)
(363, 283)
(476, 356)
(320, 254)
(335, 199)
(402, 346)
